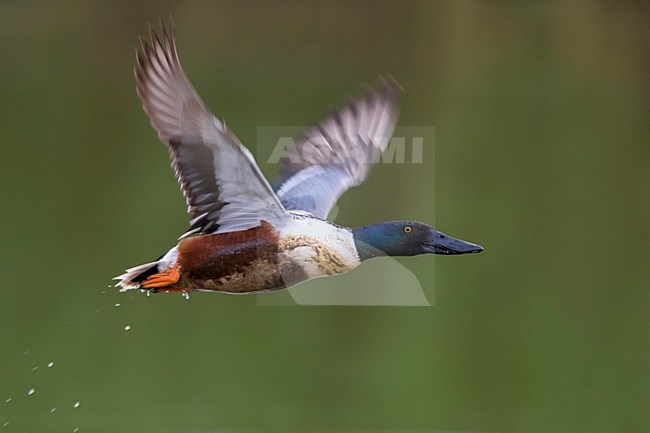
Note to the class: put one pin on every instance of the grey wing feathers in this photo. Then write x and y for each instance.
(337, 154)
(222, 184)
(315, 189)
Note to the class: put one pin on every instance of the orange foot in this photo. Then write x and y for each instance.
(162, 279)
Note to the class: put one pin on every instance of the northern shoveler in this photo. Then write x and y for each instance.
(248, 237)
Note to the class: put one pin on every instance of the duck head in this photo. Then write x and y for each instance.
(407, 238)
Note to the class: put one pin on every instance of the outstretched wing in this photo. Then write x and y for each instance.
(223, 186)
(336, 155)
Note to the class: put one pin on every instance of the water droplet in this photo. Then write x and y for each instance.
(118, 305)
(127, 328)
(31, 391)
(53, 410)
(50, 364)
(77, 404)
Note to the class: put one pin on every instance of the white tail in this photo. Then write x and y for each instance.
(129, 281)
(126, 279)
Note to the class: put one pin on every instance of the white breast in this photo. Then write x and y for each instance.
(311, 248)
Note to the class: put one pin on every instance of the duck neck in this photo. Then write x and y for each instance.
(370, 241)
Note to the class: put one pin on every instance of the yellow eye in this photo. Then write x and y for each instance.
(407, 229)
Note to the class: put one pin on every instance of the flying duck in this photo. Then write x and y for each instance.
(246, 236)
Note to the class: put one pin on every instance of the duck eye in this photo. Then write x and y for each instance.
(407, 229)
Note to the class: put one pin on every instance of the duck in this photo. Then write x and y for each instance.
(247, 236)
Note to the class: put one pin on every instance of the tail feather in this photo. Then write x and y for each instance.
(133, 277)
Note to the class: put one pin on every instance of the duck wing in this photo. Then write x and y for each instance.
(222, 184)
(336, 154)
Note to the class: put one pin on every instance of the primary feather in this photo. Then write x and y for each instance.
(223, 186)
(337, 154)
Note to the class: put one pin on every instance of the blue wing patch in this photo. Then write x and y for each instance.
(314, 189)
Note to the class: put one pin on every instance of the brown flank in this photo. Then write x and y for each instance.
(236, 262)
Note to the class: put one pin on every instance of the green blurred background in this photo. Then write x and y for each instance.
(541, 117)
